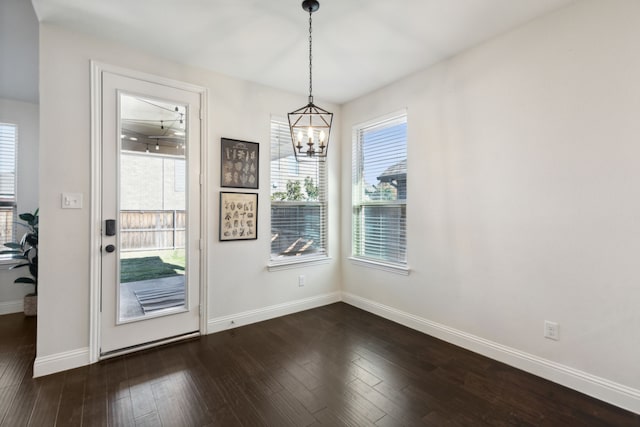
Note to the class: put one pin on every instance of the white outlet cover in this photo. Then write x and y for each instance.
(551, 330)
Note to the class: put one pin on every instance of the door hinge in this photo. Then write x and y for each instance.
(200, 114)
(201, 179)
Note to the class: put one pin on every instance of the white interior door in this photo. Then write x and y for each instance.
(151, 147)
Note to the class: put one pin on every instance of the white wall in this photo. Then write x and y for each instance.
(524, 202)
(25, 115)
(239, 281)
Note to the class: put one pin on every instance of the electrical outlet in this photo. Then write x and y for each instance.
(301, 280)
(551, 330)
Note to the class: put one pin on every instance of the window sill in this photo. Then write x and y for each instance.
(296, 262)
(391, 268)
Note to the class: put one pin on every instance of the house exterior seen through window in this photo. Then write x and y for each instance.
(8, 200)
(298, 201)
(379, 195)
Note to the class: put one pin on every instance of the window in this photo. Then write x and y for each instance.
(380, 191)
(8, 140)
(298, 201)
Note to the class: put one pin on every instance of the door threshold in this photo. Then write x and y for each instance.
(145, 346)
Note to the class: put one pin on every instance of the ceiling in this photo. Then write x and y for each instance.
(18, 51)
(358, 45)
(152, 126)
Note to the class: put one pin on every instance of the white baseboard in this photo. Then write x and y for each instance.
(46, 365)
(9, 307)
(51, 364)
(609, 391)
(252, 316)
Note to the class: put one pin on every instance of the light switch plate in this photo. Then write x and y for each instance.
(71, 200)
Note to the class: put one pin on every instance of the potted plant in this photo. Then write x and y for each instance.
(26, 250)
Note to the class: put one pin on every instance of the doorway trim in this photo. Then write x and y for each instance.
(95, 257)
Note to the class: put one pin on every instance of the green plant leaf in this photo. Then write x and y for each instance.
(18, 256)
(26, 217)
(13, 245)
(13, 267)
(32, 239)
(25, 280)
(13, 251)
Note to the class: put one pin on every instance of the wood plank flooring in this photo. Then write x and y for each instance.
(331, 366)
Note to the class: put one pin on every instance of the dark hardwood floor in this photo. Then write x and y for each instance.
(333, 366)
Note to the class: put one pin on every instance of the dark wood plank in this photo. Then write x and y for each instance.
(16, 365)
(290, 408)
(349, 405)
(21, 407)
(177, 403)
(71, 398)
(149, 420)
(121, 412)
(331, 366)
(342, 416)
(312, 402)
(45, 409)
(7, 394)
(143, 369)
(400, 414)
(244, 409)
(117, 379)
(95, 405)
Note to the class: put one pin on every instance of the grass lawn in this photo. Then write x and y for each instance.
(135, 266)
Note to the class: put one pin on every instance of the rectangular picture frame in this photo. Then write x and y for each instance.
(239, 164)
(238, 216)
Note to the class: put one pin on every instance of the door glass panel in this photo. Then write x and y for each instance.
(152, 208)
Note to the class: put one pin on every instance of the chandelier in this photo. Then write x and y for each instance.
(310, 125)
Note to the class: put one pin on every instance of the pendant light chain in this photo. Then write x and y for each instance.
(310, 62)
(310, 126)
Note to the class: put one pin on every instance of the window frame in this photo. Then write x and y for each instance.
(10, 203)
(358, 204)
(280, 262)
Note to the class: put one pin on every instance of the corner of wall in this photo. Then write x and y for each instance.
(609, 391)
(46, 365)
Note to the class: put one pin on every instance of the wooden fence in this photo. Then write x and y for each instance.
(7, 227)
(146, 230)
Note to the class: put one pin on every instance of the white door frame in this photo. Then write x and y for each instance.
(95, 260)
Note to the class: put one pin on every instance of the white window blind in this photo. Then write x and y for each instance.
(179, 175)
(298, 200)
(8, 141)
(380, 191)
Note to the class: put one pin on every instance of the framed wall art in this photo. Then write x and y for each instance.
(239, 163)
(238, 216)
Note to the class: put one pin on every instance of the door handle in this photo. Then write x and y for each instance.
(110, 248)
